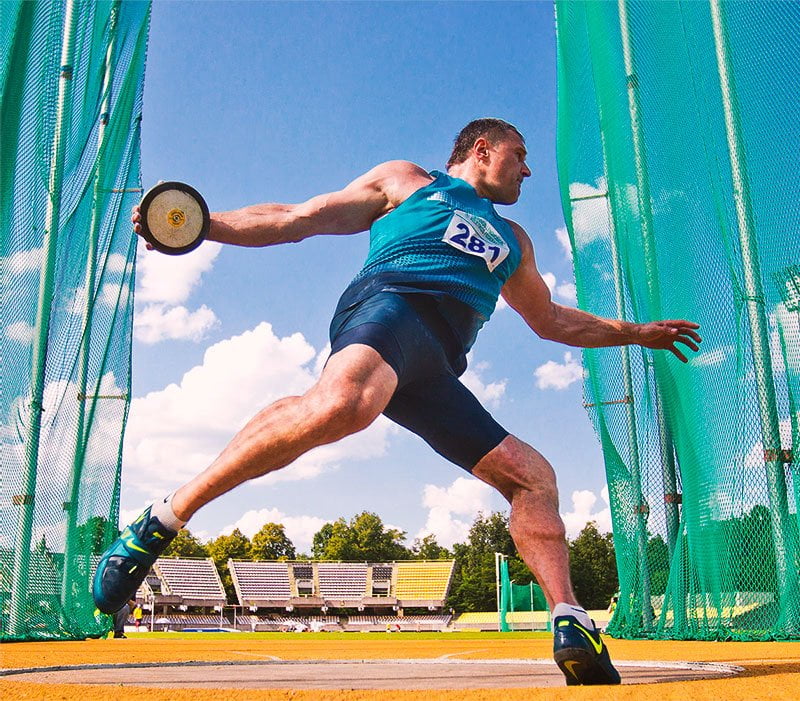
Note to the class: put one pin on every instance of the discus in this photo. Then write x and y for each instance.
(174, 218)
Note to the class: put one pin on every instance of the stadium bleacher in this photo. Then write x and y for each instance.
(342, 582)
(421, 582)
(194, 581)
(261, 583)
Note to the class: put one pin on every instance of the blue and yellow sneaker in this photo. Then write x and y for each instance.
(581, 654)
(126, 563)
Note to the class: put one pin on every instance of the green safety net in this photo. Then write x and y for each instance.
(71, 75)
(517, 597)
(678, 133)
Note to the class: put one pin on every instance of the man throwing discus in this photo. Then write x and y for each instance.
(440, 256)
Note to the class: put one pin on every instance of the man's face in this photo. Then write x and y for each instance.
(506, 169)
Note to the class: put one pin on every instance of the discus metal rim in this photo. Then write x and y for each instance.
(160, 245)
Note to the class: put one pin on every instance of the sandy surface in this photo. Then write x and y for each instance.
(771, 670)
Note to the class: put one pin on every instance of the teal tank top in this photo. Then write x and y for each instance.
(443, 240)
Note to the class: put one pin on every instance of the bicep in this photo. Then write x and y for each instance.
(355, 207)
(346, 211)
(526, 291)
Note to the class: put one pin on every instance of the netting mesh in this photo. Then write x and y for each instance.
(514, 597)
(71, 75)
(677, 144)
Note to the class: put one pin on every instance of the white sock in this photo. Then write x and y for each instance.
(576, 611)
(162, 510)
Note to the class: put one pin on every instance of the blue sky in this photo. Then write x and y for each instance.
(259, 101)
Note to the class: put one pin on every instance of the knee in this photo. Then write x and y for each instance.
(346, 412)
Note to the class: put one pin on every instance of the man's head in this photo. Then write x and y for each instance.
(490, 154)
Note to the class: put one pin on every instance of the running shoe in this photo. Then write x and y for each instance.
(581, 654)
(126, 563)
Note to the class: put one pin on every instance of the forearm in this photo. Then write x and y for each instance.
(259, 225)
(575, 327)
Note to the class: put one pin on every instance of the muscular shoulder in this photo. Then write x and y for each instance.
(522, 237)
(398, 180)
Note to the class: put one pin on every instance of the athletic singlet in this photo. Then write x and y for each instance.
(444, 240)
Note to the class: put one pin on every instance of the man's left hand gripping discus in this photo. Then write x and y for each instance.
(174, 218)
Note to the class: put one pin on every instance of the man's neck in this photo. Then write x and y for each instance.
(467, 172)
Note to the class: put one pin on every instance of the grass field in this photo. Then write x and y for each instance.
(772, 670)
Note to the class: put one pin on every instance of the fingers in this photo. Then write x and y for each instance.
(680, 356)
(684, 328)
(688, 342)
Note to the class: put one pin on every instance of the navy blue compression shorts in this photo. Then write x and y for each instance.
(430, 400)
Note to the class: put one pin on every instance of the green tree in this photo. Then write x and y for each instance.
(658, 564)
(235, 546)
(186, 545)
(474, 585)
(319, 542)
(364, 538)
(428, 549)
(593, 567)
(272, 543)
(96, 534)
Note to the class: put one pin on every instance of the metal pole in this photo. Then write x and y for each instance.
(668, 471)
(25, 501)
(754, 297)
(497, 581)
(83, 364)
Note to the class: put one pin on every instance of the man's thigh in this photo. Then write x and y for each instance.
(358, 371)
(447, 416)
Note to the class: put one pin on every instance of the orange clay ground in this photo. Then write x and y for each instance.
(772, 670)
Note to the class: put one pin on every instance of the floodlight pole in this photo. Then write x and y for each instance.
(25, 501)
(79, 455)
(756, 316)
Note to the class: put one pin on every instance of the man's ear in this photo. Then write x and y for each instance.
(481, 148)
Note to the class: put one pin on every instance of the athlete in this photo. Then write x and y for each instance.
(439, 257)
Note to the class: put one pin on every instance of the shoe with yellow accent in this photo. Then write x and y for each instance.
(581, 654)
(126, 563)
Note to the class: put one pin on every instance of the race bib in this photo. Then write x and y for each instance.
(477, 237)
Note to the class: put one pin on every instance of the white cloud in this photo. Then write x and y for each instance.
(789, 324)
(164, 283)
(20, 331)
(553, 375)
(299, 529)
(171, 279)
(487, 393)
(712, 357)
(590, 220)
(567, 292)
(22, 262)
(563, 238)
(583, 502)
(157, 322)
(466, 497)
(116, 263)
(175, 432)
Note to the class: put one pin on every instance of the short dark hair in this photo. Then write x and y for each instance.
(491, 128)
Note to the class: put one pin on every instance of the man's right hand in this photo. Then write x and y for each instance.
(136, 218)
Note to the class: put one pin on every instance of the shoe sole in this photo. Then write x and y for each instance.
(580, 667)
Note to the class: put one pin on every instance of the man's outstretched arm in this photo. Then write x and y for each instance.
(347, 211)
(526, 292)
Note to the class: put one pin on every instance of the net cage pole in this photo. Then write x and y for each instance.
(25, 501)
(759, 334)
(497, 558)
(71, 506)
